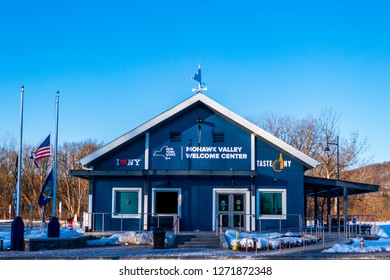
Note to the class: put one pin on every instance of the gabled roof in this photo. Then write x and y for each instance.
(307, 161)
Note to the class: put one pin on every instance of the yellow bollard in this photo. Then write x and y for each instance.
(235, 247)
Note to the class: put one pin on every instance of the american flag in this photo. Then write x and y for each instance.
(43, 151)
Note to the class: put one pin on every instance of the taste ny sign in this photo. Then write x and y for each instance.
(277, 165)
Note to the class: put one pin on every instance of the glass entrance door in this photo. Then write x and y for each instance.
(231, 210)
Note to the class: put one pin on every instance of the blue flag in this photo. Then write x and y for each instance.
(15, 198)
(47, 190)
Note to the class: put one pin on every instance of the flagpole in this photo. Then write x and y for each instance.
(55, 159)
(20, 156)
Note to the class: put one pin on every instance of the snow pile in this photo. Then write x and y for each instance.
(125, 238)
(370, 246)
(112, 240)
(262, 241)
(383, 230)
(131, 237)
(382, 244)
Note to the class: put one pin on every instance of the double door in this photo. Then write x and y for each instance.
(231, 210)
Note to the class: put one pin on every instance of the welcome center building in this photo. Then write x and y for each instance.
(199, 166)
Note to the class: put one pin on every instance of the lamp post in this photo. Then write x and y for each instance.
(337, 156)
(345, 190)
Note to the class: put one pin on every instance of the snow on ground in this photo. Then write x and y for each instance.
(380, 245)
(263, 241)
(125, 238)
(5, 233)
(245, 239)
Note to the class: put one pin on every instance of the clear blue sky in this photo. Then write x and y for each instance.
(117, 64)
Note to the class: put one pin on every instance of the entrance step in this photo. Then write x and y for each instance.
(197, 240)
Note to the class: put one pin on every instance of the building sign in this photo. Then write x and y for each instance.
(128, 162)
(215, 153)
(278, 164)
(165, 152)
(203, 153)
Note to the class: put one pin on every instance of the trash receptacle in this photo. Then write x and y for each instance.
(158, 238)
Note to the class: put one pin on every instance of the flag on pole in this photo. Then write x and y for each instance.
(15, 198)
(16, 168)
(47, 190)
(43, 151)
(15, 195)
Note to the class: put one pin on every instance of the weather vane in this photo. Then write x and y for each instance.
(198, 77)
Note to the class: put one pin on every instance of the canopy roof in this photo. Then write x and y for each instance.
(334, 188)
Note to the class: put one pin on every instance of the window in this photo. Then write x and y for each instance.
(126, 202)
(218, 137)
(175, 137)
(271, 203)
(166, 201)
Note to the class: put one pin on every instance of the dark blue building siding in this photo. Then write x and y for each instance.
(290, 178)
(196, 141)
(196, 148)
(196, 205)
(102, 203)
(127, 157)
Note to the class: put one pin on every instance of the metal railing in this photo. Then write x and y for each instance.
(97, 221)
(286, 232)
(280, 219)
(314, 228)
(355, 225)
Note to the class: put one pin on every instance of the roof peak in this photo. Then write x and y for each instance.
(216, 107)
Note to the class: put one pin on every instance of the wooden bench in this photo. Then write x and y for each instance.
(366, 229)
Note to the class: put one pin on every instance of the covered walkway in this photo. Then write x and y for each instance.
(329, 188)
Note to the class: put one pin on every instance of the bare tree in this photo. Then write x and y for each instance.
(311, 135)
(8, 173)
(279, 126)
(73, 192)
